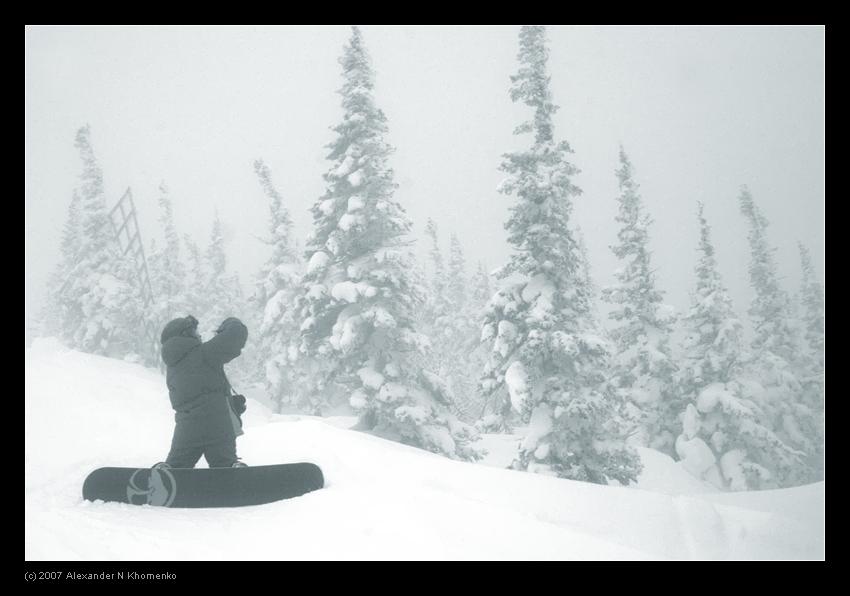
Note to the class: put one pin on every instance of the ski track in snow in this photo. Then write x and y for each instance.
(382, 500)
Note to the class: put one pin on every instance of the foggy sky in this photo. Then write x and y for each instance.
(699, 110)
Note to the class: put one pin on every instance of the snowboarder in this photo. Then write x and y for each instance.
(206, 423)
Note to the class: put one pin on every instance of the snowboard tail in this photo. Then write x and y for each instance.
(202, 487)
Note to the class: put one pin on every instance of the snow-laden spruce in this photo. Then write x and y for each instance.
(437, 303)
(545, 353)
(775, 360)
(274, 297)
(432, 316)
(811, 358)
(449, 319)
(722, 439)
(482, 288)
(812, 302)
(358, 339)
(462, 333)
(481, 291)
(167, 270)
(97, 302)
(59, 317)
(586, 271)
(221, 289)
(195, 277)
(643, 366)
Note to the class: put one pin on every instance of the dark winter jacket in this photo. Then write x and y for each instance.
(198, 387)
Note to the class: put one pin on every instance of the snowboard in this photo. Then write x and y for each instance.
(202, 487)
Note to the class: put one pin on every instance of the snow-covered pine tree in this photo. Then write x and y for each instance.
(812, 302)
(437, 300)
(812, 353)
(359, 303)
(545, 353)
(274, 296)
(457, 282)
(196, 276)
(593, 290)
(102, 295)
(460, 337)
(72, 240)
(487, 419)
(643, 365)
(435, 308)
(482, 289)
(167, 271)
(722, 438)
(222, 289)
(774, 346)
(447, 322)
(58, 316)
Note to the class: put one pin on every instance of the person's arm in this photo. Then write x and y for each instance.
(227, 343)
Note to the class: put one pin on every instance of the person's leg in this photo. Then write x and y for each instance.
(184, 457)
(222, 454)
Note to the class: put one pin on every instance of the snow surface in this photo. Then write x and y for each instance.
(382, 500)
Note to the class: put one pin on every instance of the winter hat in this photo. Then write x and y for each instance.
(178, 327)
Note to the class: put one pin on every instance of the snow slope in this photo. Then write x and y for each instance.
(383, 500)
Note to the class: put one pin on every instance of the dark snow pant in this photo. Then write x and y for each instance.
(218, 455)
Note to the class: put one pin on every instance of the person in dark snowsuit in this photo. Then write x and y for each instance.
(206, 423)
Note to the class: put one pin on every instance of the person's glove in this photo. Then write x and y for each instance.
(225, 323)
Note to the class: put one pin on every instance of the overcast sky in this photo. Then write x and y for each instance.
(699, 110)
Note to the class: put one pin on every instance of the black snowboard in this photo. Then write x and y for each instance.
(202, 487)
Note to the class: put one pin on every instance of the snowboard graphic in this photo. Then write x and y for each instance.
(202, 487)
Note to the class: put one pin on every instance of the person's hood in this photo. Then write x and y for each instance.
(176, 348)
(177, 327)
